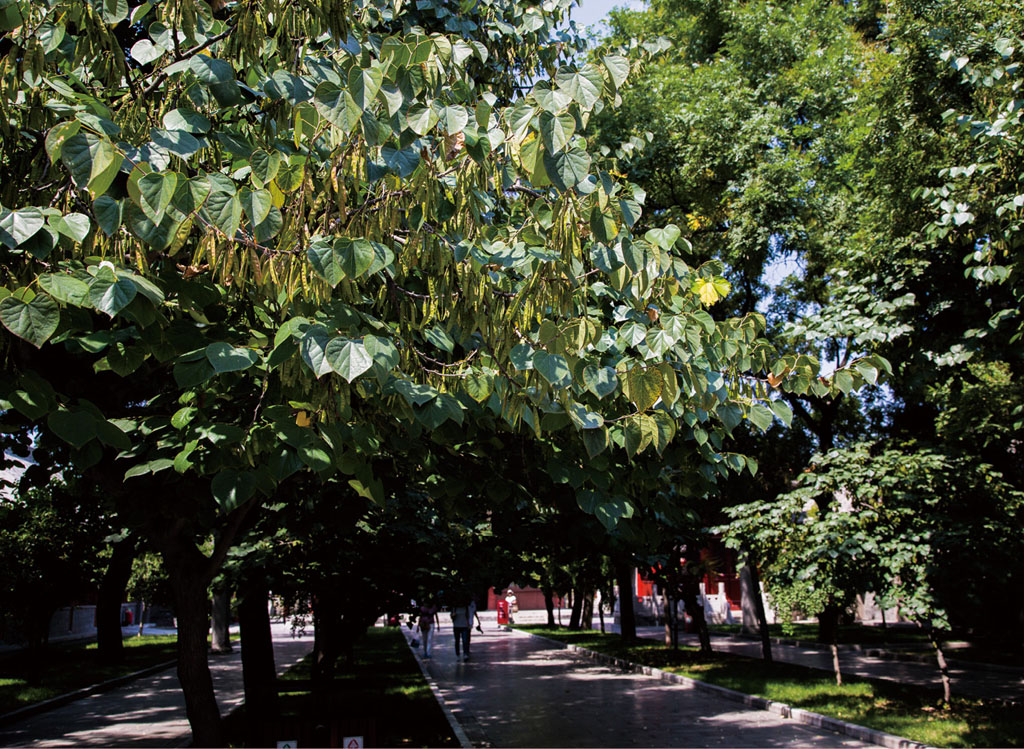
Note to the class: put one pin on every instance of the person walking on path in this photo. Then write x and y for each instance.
(462, 615)
(428, 623)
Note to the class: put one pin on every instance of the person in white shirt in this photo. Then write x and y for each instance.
(513, 605)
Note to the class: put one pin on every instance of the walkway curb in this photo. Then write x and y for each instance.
(862, 733)
(63, 699)
(456, 727)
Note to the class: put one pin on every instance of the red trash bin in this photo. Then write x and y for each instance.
(502, 613)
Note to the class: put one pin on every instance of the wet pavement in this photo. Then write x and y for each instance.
(520, 690)
(1001, 682)
(149, 711)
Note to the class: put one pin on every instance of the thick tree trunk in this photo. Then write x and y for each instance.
(220, 620)
(326, 644)
(828, 624)
(762, 618)
(671, 607)
(109, 599)
(191, 609)
(691, 600)
(828, 631)
(666, 608)
(549, 604)
(577, 609)
(627, 617)
(259, 673)
(940, 658)
(588, 611)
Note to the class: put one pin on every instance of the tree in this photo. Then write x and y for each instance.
(50, 539)
(872, 147)
(253, 240)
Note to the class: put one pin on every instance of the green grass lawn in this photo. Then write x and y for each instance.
(852, 633)
(384, 697)
(65, 667)
(910, 640)
(912, 712)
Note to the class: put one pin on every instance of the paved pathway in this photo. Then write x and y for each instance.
(523, 691)
(1003, 682)
(147, 712)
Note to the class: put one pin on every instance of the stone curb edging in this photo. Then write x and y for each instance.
(862, 733)
(63, 699)
(456, 727)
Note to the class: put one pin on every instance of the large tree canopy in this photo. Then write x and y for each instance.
(239, 241)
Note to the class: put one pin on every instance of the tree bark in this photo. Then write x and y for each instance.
(828, 624)
(259, 673)
(587, 621)
(191, 609)
(943, 666)
(627, 617)
(762, 618)
(834, 647)
(326, 637)
(691, 601)
(220, 629)
(577, 609)
(828, 631)
(142, 615)
(689, 590)
(549, 604)
(109, 599)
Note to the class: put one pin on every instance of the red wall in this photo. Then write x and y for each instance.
(529, 599)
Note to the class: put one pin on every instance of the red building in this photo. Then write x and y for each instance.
(528, 599)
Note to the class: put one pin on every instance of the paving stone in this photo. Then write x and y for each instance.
(147, 712)
(522, 691)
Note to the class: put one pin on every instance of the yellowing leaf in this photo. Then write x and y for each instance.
(710, 290)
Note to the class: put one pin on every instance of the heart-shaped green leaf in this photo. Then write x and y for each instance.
(187, 120)
(92, 160)
(227, 358)
(665, 238)
(223, 210)
(643, 386)
(617, 67)
(340, 259)
(75, 226)
(34, 321)
(155, 192)
(232, 488)
(602, 381)
(567, 169)
(347, 357)
(556, 130)
(584, 85)
(108, 214)
(219, 77)
(313, 348)
(17, 227)
(63, 288)
(110, 294)
(77, 428)
(553, 368)
(422, 119)
(265, 166)
(364, 83)
(256, 204)
(336, 105)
